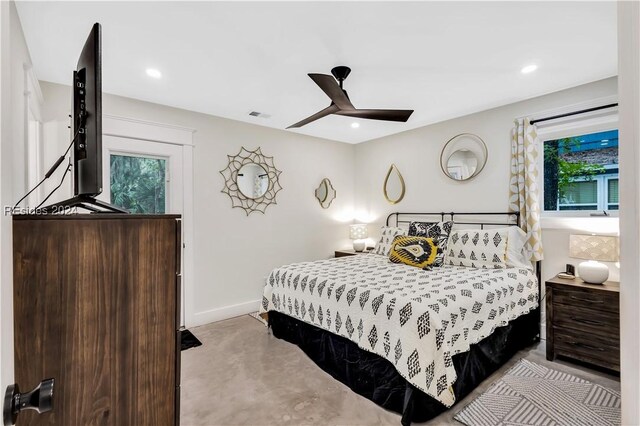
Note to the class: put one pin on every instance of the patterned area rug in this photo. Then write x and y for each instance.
(256, 315)
(530, 394)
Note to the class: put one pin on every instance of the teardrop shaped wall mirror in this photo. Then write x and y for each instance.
(393, 187)
(325, 193)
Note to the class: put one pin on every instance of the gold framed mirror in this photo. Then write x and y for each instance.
(325, 193)
(463, 157)
(251, 180)
(394, 187)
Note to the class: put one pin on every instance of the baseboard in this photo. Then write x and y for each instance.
(223, 313)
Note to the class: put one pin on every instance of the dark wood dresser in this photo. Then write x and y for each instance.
(583, 321)
(96, 307)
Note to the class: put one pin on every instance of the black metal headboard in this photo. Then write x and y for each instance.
(506, 218)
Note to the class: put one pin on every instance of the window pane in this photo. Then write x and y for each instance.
(573, 166)
(138, 183)
(612, 191)
(580, 193)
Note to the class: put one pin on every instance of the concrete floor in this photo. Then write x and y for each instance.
(243, 376)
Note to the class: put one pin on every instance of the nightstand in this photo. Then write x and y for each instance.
(343, 253)
(583, 321)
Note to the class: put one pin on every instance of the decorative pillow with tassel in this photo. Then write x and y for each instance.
(420, 252)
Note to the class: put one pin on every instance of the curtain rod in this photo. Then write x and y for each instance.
(569, 114)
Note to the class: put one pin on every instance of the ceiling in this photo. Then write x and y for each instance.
(227, 59)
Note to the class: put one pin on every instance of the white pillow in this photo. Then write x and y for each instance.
(386, 238)
(478, 248)
(517, 255)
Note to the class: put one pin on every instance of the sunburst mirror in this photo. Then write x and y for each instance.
(251, 180)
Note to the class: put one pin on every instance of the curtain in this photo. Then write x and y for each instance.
(523, 184)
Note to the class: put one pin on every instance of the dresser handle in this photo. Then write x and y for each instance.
(586, 321)
(584, 345)
(580, 299)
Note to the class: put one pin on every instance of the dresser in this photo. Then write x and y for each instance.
(583, 321)
(96, 308)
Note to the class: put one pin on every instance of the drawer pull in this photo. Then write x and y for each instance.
(584, 345)
(587, 321)
(580, 299)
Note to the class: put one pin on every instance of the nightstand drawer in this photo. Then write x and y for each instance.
(589, 348)
(587, 320)
(600, 300)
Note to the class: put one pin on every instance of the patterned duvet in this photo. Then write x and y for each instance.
(415, 319)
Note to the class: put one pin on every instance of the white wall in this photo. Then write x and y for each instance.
(233, 252)
(417, 155)
(629, 70)
(14, 59)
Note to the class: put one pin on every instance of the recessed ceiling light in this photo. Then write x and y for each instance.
(529, 69)
(154, 73)
(355, 125)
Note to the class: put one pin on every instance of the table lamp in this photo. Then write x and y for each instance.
(593, 248)
(358, 233)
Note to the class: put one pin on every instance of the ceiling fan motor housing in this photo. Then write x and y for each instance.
(341, 72)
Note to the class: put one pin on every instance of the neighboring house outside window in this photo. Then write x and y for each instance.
(581, 172)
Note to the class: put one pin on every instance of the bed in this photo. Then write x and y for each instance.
(412, 341)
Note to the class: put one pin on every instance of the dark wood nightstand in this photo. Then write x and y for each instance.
(343, 253)
(583, 321)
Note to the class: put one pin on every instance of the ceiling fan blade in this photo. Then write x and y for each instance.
(330, 86)
(331, 109)
(379, 114)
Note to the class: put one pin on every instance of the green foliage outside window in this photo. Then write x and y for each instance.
(138, 183)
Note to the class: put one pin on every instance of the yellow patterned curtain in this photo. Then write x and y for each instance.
(523, 185)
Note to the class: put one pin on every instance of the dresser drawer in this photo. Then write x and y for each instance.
(587, 320)
(586, 347)
(598, 300)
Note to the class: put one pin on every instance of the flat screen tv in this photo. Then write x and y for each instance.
(87, 117)
(87, 131)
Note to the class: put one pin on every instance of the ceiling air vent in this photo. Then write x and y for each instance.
(259, 114)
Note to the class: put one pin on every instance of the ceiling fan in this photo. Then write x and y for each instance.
(341, 105)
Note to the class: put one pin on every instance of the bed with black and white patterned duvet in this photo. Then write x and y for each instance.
(417, 320)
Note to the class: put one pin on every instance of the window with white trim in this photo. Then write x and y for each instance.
(580, 172)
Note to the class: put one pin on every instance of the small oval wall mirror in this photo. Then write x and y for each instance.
(253, 180)
(325, 193)
(393, 187)
(463, 157)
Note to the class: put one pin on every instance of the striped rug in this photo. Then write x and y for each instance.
(530, 394)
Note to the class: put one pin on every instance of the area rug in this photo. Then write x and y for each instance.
(530, 394)
(256, 315)
(188, 340)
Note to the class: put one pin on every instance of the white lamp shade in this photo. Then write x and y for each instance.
(358, 231)
(594, 247)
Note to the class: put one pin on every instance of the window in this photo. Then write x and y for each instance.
(138, 183)
(581, 172)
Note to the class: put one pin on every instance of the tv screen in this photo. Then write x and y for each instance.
(87, 117)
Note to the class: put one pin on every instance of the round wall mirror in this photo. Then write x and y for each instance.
(325, 193)
(463, 157)
(253, 180)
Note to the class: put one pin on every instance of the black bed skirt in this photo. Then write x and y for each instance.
(376, 379)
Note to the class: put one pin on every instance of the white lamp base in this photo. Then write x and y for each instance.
(593, 272)
(359, 245)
